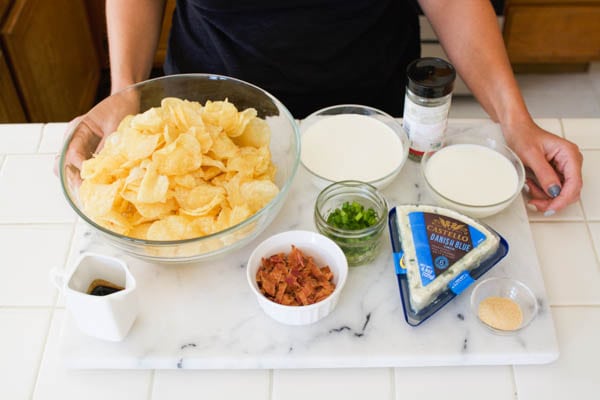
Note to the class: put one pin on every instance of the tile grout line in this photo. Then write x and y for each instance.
(394, 392)
(53, 311)
(270, 385)
(590, 236)
(151, 385)
(513, 376)
(37, 223)
(25, 307)
(574, 305)
(42, 132)
(43, 353)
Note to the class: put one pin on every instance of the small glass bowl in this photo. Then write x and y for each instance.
(509, 288)
(360, 246)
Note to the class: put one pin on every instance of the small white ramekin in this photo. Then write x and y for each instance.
(323, 250)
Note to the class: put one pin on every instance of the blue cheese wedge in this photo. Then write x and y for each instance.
(440, 247)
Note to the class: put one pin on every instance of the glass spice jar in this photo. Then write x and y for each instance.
(426, 104)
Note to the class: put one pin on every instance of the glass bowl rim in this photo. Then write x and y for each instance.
(160, 243)
(520, 170)
(404, 139)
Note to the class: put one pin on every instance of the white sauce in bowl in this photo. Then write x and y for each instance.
(472, 174)
(351, 146)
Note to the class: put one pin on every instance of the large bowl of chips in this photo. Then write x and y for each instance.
(181, 168)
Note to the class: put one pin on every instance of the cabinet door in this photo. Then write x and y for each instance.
(555, 33)
(52, 55)
(4, 6)
(10, 105)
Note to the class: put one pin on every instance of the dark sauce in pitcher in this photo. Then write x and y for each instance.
(100, 287)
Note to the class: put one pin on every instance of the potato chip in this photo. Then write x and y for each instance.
(180, 171)
(223, 148)
(151, 121)
(100, 168)
(115, 222)
(98, 198)
(140, 231)
(179, 157)
(220, 113)
(173, 227)
(258, 193)
(201, 200)
(209, 173)
(153, 187)
(135, 145)
(256, 134)
(154, 211)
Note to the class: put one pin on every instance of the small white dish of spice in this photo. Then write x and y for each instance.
(503, 305)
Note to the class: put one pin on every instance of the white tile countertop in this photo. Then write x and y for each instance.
(37, 231)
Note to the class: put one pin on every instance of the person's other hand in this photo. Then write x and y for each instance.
(553, 167)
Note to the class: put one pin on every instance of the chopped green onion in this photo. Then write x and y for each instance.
(352, 216)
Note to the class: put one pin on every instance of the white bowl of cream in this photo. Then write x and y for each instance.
(476, 176)
(352, 142)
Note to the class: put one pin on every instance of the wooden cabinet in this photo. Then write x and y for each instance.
(552, 31)
(49, 60)
(10, 104)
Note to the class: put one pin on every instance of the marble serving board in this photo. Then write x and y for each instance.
(204, 316)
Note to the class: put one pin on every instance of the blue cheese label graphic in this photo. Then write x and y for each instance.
(440, 242)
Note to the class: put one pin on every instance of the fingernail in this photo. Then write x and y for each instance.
(526, 188)
(554, 191)
(549, 213)
(531, 207)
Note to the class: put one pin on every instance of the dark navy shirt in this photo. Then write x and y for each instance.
(308, 53)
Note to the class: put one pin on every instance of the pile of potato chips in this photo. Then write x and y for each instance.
(180, 171)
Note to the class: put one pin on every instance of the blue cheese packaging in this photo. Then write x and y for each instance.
(438, 253)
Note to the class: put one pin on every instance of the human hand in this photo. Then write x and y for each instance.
(553, 167)
(85, 135)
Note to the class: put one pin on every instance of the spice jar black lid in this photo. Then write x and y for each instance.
(430, 77)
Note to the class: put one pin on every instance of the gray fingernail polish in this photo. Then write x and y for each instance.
(531, 207)
(554, 190)
(549, 213)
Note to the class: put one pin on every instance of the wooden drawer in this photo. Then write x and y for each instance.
(10, 104)
(553, 33)
(50, 51)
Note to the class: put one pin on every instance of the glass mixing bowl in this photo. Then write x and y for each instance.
(86, 135)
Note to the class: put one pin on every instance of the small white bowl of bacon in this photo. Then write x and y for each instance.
(297, 276)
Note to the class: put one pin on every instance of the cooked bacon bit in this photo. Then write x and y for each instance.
(294, 279)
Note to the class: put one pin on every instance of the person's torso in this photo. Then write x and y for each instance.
(311, 53)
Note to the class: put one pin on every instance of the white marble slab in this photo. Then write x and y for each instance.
(203, 316)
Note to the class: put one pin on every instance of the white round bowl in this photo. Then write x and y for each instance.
(479, 210)
(323, 250)
(359, 156)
